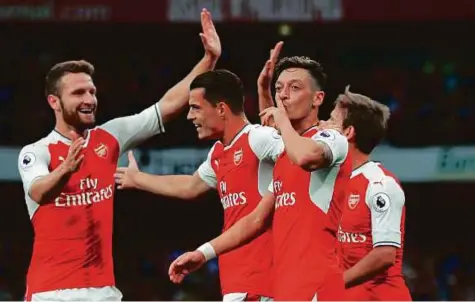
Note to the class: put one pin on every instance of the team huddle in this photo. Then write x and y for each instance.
(307, 214)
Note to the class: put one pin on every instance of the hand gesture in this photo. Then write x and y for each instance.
(124, 177)
(73, 160)
(265, 77)
(209, 36)
(274, 116)
(185, 264)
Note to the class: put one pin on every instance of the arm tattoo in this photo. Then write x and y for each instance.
(327, 155)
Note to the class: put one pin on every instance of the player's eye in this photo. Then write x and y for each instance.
(278, 89)
(295, 87)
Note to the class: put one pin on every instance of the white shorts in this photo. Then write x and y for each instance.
(237, 297)
(106, 293)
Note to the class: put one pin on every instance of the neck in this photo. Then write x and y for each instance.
(68, 131)
(358, 158)
(232, 128)
(304, 124)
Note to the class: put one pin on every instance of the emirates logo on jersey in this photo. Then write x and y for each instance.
(101, 150)
(222, 187)
(353, 200)
(238, 157)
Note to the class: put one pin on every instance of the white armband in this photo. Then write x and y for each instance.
(208, 251)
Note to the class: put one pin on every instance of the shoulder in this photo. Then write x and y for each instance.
(329, 135)
(263, 134)
(34, 152)
(383, 188)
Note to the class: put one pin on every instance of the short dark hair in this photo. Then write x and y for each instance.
(313, 67)
(368, 117)
(59, 70)
(221, 86)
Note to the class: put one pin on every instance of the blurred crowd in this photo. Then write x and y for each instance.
(428, 82)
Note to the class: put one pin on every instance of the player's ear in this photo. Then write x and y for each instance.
(350, 133)
(54, 102)
(318, 97)
(221, 106)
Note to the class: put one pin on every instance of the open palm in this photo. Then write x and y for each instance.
(209, 36)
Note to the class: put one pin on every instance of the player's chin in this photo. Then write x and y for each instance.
(203, 133)
(87, 119)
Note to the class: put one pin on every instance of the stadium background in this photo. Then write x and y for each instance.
(415, 56)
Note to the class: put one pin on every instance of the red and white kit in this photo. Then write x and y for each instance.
(307, 207)
(242, 172)
(374, 216)
(72, 252)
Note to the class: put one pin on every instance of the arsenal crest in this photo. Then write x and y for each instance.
(101, 150)
(353, 200)
(238, 157)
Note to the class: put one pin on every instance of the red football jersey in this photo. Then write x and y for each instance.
(73, 231)
(374, 215)
(306, 205)
(242, 172)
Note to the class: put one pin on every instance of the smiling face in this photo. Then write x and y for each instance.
(205, 116)
(76, 101)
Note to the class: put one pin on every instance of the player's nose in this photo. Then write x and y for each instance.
(284, 94)
(190, 115)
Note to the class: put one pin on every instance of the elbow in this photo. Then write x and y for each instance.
(258, 223)
(189, 194)
(308, 162)
(37, 196)
(387, 256)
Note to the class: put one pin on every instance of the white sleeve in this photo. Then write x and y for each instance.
(33, 163)
(266, 143)
(134, 129)
(206, 171)
(386, 200)
(337, 142)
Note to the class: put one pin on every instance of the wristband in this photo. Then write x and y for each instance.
(208, 251)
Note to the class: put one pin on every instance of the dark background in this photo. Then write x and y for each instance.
(424, 70)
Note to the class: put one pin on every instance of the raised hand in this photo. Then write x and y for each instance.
(185, 264)
(209, 35)
(265, 77)
(124, 177)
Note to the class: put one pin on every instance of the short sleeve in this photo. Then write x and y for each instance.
(132, 130)
(337, 143)
(206, 171)
(33, 163)
(266, 143)
(385, 200)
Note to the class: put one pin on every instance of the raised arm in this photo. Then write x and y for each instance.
(265, 79)
(176, 99)
(132, 130)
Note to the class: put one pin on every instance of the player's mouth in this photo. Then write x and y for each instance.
(86, 111)
(197, 126)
